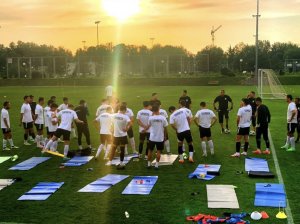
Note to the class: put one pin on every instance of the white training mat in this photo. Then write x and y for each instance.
(166, 160)
(5, 182)
(222, 196)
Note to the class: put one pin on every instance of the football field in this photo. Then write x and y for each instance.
(171, 199)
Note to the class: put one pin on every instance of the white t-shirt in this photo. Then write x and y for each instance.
(143, 115)
(5, 114)
(109, 90)
(105, 120)
(204, 117)
(120, 121)
(67, 116)
(102, 109)
(189, 112)
(129, 113)
(163, 113)
(51, 117)
(26, 111)
(291, 107)
(245, 114)
(46, 120)
(40, 112)
(62, 107)
(157, 124)
(180, 119)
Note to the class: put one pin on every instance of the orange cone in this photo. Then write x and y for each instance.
(264, 215)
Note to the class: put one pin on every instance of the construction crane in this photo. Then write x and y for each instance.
(213, 30)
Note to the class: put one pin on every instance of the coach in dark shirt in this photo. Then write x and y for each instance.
(297, 102)
(154, 99)
(223, 101)
(82, 113)
(186, 99)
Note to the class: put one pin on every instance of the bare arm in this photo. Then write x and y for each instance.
(213, 121)
(21, 117)
(238, 120)
(196, 121)
(78, 121)
(6, 123)
(294, 112)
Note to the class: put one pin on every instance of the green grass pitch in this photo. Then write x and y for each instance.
(170, 200)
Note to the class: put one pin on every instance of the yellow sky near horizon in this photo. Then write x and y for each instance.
(188, 23)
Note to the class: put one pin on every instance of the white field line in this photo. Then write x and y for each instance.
(280, 179)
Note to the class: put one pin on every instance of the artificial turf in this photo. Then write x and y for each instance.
(170, 200)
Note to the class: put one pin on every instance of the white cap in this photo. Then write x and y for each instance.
(256, 215)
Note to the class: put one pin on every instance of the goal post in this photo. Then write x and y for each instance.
(269, 86)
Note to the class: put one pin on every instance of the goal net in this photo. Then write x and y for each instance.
(269, 86)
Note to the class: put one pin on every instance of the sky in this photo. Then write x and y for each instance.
(187, 23)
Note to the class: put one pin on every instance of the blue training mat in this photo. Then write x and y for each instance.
(205, 169)
(256, 164)
(30, 163)
(42, 191)
(141, 185)
(270, 195)
(78, 161)
(103, 183)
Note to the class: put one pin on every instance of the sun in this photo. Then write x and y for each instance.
(121, 9)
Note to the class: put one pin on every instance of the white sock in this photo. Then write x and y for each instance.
(38, 139)
(203, 145)
(132, 143)
(46, 141)
(183, 148)
(191, 154)
(126, 149)
(99, 150)
(287, 143)
(11, 142)
(211, 146)
(107, 150)
(181, 157)
(149, 163)
(66, 150)
(49, 144)
(4, 143)
(53, 146)
(156, 164)
(80, 147)
(167, 145)
(292, 140)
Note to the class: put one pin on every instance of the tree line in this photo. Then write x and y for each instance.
(160, 59)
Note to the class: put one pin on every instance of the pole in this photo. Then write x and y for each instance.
(97, 23)
(256, 39)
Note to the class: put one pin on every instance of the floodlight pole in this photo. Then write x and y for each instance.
(256, 39)
(97, 23)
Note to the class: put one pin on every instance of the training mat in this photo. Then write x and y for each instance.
(270, 195)
(222, 196)
(6, 182)
(141, 185)
(30, 163)
(4, 158)
(78, 160)
(42, 191)
(127, 158)
(104, 183)
(165, 160)
(205, 171)
(256, 164)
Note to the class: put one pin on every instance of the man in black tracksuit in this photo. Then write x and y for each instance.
(263, 119)
(297, 102)
(82, 113)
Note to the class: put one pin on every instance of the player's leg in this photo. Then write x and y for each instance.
(203, 141)
(113, 150)
(298, 132)
(79, 132)
(39, 136)
(189, 139)
(131, 140)
(253, 122)
(31, 131)
(226, 114)
(123, 142)
(108, 146)
(150, 150)
(237, 144)
(73, 131)
(246, 139)
(266, 138)
(5, 138)
(86, 132)
(221, 117)
(10, 140)
(66, 136)
(258, 140)
(292, 138)
(287, 143)
(167, 144)
(142, 138)
(101, 146)
(148, 145)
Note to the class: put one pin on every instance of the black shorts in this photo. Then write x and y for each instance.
(204, 132)
(28, 125)
(6, 130)
(243, 131)
(62, 132)
(253, 120)
(159, 146)
(144, 135)
(50, 134)
(130, 132)
(185, 135)
(120, 141)
(39, 127)
(105, 138)
(47, 130)
(298, 128)
(291, 127)
(221, 114)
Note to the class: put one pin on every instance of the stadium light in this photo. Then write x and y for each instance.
(97, 23)
(256, 39)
